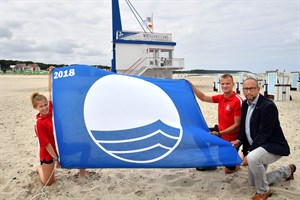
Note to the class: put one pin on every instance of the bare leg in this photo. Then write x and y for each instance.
(45, 171)
(82, 173)
(39, 170)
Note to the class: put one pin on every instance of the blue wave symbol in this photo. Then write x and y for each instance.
(139, 144)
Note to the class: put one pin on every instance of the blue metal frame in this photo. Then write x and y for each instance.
(145, 42)
(116, 26)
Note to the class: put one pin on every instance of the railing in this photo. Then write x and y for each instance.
(142, 64)
(133, 67)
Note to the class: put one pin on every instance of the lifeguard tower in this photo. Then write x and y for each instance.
(142, 53)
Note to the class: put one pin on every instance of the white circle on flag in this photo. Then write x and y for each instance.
(117, 104)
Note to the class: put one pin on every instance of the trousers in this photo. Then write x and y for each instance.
(258, 161)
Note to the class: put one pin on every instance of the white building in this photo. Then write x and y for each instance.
(146, 54)
(142, 53)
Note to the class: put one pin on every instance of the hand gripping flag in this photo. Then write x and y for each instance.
(108, 120)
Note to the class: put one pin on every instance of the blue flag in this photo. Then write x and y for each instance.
(108, 120)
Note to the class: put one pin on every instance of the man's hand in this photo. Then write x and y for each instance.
(245, 162)
(216, 133)
(236, 143)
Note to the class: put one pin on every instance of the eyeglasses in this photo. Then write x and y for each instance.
(251, 89)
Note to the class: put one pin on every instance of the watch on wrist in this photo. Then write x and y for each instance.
(55, 159)
(219, 134)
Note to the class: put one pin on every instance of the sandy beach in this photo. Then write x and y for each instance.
(19, 157)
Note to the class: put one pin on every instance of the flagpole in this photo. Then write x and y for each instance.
(152, 23)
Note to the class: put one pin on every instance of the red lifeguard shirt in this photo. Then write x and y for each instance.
(44, 132)
(228, 109)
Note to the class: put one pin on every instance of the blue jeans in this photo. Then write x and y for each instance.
(258, 161)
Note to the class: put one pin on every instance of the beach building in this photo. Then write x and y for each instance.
(217, 87)
(278, 85)
(295, 85)
(19, 67)
(241, 77)
(34, 67)
(261, 79)
(23, 68)
(142, 53)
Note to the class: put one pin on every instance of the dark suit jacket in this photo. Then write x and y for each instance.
(265, 128)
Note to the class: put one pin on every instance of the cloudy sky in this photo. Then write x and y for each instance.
(254, 35)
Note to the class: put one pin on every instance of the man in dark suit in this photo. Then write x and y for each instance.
(262, 139)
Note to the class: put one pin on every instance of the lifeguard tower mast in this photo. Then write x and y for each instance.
(142, 53)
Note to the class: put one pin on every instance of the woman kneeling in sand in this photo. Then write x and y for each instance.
(44, 132)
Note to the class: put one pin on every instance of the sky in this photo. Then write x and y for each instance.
(252, 35)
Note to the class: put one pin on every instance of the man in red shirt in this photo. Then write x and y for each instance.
(229, 112)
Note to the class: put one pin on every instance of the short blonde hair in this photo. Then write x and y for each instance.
(227, 76)
(35, 98)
